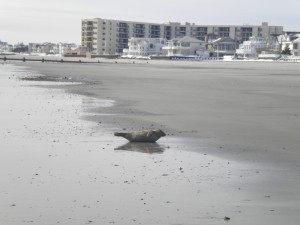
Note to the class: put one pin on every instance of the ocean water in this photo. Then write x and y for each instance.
(57, 168)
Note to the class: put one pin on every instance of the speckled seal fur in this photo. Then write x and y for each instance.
(142, 136)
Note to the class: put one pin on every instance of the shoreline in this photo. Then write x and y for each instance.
(117, 59)
(133, 114)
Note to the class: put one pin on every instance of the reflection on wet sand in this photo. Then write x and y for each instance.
(149, 148)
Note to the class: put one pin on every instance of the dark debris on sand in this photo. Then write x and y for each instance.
(46, 78)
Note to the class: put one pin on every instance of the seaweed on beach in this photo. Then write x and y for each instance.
(46, 78)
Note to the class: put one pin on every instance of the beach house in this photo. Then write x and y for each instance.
(296, 47)
(251, 48)
(186, 46)
(140, 47)
(222, 47)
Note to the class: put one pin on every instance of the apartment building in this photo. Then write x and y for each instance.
(109, 37)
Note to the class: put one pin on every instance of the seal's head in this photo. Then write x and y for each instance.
(153, 135)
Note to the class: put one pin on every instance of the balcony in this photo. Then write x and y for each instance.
(123, 30)
(246, 30)
(123, 36)
(175, 47)
(224, 29)
(139, 26)
(155, 28)
(123, 25)
(201, 29)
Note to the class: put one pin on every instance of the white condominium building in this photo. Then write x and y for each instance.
(110, 37)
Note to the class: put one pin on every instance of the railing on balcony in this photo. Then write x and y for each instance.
(123, 30)
(122, 25)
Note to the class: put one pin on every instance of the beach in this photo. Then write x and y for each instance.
(231, 154)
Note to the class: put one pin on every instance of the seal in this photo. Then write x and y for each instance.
(142, 136)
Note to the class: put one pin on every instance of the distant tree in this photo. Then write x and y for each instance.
(286, 50)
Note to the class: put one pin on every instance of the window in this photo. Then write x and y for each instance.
(203, 29)
(246, 29)
(185, 44)
(295, 46)
(223, 29)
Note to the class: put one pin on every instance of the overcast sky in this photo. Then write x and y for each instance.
(60, 20)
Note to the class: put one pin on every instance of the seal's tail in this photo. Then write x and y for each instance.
(119, 134)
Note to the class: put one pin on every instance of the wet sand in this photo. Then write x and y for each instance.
(233, 129)
(251, 106)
